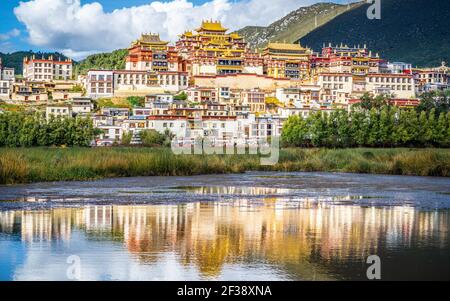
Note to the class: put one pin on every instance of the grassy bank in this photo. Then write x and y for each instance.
(23, 165)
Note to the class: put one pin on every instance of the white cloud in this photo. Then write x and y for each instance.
(11, 34)
(78, 30)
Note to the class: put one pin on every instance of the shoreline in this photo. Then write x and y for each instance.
(47, 164)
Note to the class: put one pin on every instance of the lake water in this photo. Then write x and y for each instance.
(253, 226)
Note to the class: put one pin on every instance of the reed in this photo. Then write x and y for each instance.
(23, 165)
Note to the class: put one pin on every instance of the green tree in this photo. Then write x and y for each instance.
(181, 96)
(136, 101)
(438, 100)
(126, 138)
(373, 136)
(359, 127)
(152, 138)
(319, 131)
(386, 126)
(440, 136)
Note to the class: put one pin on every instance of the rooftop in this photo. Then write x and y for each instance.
(150, 38)
(285, 46)
(212, 26)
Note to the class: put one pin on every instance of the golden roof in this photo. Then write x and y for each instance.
(153, 39)
(285, 46)
(235, 36)
(212, 26)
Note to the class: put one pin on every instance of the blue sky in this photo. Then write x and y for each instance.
(9, 21)
(81, 27)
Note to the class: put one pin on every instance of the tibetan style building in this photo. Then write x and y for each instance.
(282, 60)
(210, 50)
(150, 53)
(344, 59)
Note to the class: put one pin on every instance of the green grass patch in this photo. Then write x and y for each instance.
(24, 165)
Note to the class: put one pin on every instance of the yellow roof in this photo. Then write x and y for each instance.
(285, 46)
(212, 26)
(235, 36)
(149, 39)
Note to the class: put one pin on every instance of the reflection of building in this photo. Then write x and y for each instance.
(279, 231)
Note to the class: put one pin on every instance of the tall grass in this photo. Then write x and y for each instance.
(22, 165)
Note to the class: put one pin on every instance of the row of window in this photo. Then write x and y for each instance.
(102, 85)
(389, 80)
(38, 76)
(101, 90)
(49, 65)
(101, 77)
(336, 78)
(397, 87)
(60, 111)
(335, 86)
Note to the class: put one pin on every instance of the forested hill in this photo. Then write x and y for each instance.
(114, 60)
(414, 31)
(15, 59)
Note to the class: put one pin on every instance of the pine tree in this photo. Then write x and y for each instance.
(439, 131)
(342, 129)
(423, 129)
(386, 126)
(374, 125)
(400, 133)
(358, 128)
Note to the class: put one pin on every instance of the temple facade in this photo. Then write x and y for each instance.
(150, 53)
(210, 50)
(283, 60)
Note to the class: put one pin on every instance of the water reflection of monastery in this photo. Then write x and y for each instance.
(212, 234)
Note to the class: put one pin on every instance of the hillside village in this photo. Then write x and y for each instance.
(211, 83)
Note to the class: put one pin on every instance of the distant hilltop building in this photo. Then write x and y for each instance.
(6, 81)
(46, 69)
(150, 53)
(433, 78)
(210, 50)
(355, 60)
(5, 72)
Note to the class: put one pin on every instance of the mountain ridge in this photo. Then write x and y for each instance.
(295, 24)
